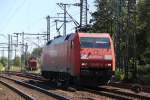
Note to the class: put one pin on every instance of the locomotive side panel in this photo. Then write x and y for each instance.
(54, 58)
(70, 58)
(58, 59)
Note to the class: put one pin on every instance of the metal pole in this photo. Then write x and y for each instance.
(3, 52)
(38, 39)
(86, 12)
(81, 7)
(15, 51)
(26, 48)
(48, 28)
(83, 13)
(22, 58)
(57, 29)
(65, 20)
(11, 49)
(8, 52)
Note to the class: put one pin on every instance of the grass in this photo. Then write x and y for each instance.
(36, 71)
(16, 68)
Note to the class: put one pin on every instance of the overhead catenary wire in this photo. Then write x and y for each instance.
(75, 22)
(13, 14)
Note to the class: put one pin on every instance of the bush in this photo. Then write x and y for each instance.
(146, 79)
(119, 74)
(144, 69)
(2, 68)
(144, 73)
(3, 61)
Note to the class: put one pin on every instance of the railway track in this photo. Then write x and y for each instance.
(28, 75)
(111, 91)
(63, 92)
(118, 93)
(29, 91)
(130, 86)
(19, 92)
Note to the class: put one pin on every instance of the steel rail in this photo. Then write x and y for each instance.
(37, 88)
(129, 86)
(19, 92)
(113, 93)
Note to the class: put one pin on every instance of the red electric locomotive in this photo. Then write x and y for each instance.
(79, 56)
(32, 64)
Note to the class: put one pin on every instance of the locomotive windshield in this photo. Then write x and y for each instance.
(90, 42)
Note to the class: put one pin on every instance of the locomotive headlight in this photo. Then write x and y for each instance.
(109, 64)
(84, 56)
(83, 64)
(108, 57)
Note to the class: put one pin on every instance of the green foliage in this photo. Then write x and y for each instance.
(17, 61)
(146, 79)
(17, 68)
(37, 52)
(119, 74)
(102, 18)
(144, 69)
(2, 68)
(144, 74)
(25, 57)
(3, 61)
(143, 36)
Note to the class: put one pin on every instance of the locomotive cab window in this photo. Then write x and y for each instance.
(49, 42)
(88, 42)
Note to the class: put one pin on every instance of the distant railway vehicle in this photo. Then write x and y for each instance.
(32, 63)
(85, 56)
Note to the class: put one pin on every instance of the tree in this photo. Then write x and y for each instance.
(143, 36)
(3, 61)
(37, 52)
(2, 68)
(24, 58)
(102, 18)
(17, 61)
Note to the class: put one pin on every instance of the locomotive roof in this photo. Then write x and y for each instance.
(61, 39)
(94, 35)
(33, 60)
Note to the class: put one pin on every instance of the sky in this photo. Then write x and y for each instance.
(29, 16)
